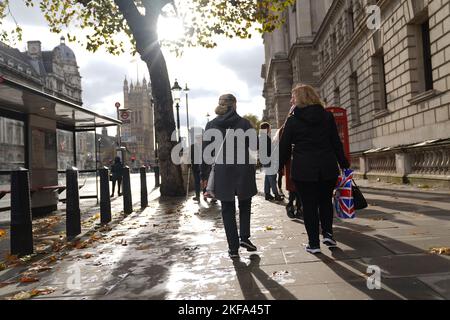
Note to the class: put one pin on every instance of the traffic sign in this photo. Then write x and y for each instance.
(117, 104)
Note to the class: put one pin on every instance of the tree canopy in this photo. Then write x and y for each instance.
(105, 24)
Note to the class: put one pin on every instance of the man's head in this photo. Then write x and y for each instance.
(226, 101)
(265, 126)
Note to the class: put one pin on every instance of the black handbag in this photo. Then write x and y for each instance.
(358, 198)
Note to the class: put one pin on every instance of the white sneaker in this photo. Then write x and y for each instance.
(313, 250)
(329, 242)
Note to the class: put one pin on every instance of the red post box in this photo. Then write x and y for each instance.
(340, 116)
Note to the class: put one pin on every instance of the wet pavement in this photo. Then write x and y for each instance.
(176, 249)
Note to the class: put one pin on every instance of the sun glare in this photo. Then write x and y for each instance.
(170, 29)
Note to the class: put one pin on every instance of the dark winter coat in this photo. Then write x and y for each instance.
(117, 171)
(317, 147)
(231, 179)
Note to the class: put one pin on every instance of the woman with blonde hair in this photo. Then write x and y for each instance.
(316, 154)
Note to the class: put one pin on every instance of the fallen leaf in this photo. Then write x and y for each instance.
(269, 228)
(441, 251)
(43, 291)
(21, 296)
(28, 279)
(87, 255)
(53, 259)
(2, 266)
(2, 233)
(143, 247)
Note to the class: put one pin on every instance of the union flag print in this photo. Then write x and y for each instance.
(343, 198)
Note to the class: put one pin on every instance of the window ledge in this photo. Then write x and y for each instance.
(427, 95)
(381, 113)
(355, 125)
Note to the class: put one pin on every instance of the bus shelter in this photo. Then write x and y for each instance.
(47, 135)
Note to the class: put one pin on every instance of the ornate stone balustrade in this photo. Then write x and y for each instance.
(426, 163)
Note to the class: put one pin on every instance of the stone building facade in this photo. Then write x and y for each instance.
(54, 72)
(138, 135)
(394, 81)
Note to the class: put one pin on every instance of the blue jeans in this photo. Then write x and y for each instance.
(270, 182)
(196, 174)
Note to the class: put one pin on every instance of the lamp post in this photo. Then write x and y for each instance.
(176, 90)
(186, 91)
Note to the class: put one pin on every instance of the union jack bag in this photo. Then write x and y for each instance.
(344, 203)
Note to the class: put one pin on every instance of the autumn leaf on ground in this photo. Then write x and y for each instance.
(2, 233)
(269, 228)
(42, 292)
(28, 279)
(441, 251)
(87, 255)
(4, 284)
(143, 247)
(21, 296)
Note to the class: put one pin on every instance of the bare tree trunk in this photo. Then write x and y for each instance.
(171, 177)
(144, 32)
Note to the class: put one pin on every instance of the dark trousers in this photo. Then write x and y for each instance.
(229, 222)
(317, 203)
(196, 174)
(119, 183)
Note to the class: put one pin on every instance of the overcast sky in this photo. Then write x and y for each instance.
(233, 67)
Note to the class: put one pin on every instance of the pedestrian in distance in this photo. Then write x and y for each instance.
(293, 211)
(315, 157)
(232, 179)
(270, 179)
(116, 175)
(196, 149)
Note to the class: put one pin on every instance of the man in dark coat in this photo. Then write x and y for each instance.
(232, 179)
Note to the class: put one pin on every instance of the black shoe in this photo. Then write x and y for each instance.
(313, 250)
(196, 198)
(329, 241)
(279, 197)
(247, 244)
(269, 197)
(299, 214)
(233, 254)
(290, 210)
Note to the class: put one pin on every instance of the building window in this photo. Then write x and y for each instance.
(12, 142)
(350, 19)
(354, 99)
(379, 81)
(426, 45)
(420, 51)
(337, 97)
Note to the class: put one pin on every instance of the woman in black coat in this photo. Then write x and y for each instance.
(316, 154)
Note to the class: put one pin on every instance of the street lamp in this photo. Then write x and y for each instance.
(186, 91)
(176, 91)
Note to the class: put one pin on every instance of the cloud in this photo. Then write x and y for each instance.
(101, 79)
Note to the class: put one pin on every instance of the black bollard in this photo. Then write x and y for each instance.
(126, 191)
(73, 214)
(156, 169)
(105, 200)
(21, 226)
(144, 198)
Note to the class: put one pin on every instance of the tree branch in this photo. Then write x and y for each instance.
(131, 14)
(155, 6)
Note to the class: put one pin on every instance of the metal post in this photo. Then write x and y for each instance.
(105, 200)
(73, 214)
(156, 170)
(21, 226)
(178, 121)
(144, 198)
(126, 191)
